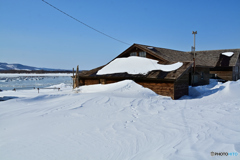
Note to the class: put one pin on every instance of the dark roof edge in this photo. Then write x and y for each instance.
(213, 50)
(159, 47)
(186, 70)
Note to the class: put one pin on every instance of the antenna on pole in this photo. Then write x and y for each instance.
(194, 56)
(193, 48)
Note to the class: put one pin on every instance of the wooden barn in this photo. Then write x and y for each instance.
(198, 75)
(173, 84)
(207, 63)
(223, 66)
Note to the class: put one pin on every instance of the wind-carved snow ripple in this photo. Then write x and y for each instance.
(105, 126)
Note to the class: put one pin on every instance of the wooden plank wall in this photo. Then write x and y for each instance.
(181, 86)
(147, 55)
(236, 72)
(202, 76)
(225, 75)
(165, 89)
(173, 90)
(91, 81)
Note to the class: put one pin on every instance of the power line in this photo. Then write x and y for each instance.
(86, 24)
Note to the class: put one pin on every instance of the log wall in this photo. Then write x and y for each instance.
(225, 75)
(171, 89)
(236, 72)
(201, 76)
(147, 55)
(181, 86)
(165, 89)
(91, 81)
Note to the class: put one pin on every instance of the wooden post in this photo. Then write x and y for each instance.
(73, 79)
(76, 77)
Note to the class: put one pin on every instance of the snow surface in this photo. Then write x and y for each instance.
(120, 121)
(136, 65)
(229, 54)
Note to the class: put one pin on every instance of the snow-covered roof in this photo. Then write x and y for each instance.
(229, 54)
(136, 65)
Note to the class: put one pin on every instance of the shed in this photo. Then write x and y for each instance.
(167, 83)
(223, 66)
(199, 75)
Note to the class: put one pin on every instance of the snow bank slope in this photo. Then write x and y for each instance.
(117, 124)
(126, 88)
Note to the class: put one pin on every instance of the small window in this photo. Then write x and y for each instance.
(150, 47)
(142, 54)
(133, 54)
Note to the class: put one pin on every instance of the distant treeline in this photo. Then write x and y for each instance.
(35, 71)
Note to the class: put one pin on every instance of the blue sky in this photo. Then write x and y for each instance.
(35, 34)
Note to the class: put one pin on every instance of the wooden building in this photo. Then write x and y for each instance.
(173, 84)
(198, 75)
(207, 63)
(220, 65)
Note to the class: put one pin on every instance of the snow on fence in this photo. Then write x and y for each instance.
(34, 88)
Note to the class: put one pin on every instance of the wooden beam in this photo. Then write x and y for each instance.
(73, 79)
(77, 81)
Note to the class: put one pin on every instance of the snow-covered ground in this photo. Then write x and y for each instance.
(120, 121)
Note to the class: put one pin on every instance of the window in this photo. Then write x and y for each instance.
(133, 54)
(202, 75)
(142, 54)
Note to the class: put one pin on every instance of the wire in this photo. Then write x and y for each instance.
(85, 24)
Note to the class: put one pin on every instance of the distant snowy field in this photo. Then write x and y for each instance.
(27, 81)
(121, 121)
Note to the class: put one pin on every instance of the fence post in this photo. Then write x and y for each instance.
(73, 79)
(77, 81)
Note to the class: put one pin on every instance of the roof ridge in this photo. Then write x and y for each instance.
(214, 50)
(158, 47)
(186, 51)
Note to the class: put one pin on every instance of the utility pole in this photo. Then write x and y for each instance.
(193, 48)
(194, 55)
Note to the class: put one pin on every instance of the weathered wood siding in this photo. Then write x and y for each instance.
(181, 86)
(147, 55)
(108, 81)
(171, 89)
(227, 73)
(201, 76)
(236, 72)
(165, 89)
(223, 74)
(91, 81)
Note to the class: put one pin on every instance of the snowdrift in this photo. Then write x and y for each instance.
(126, 88)
(120, 121)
